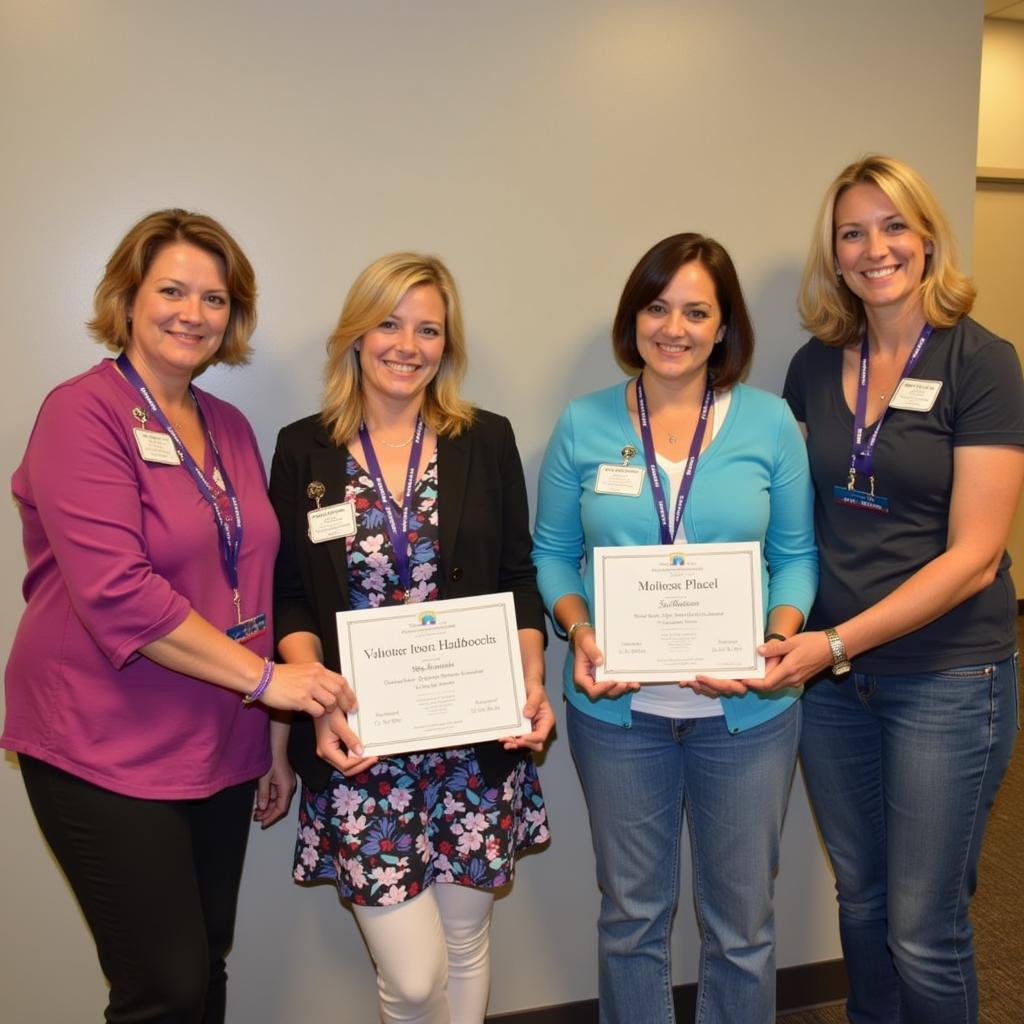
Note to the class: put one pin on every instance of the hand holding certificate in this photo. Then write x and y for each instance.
(665, 613)
(441, 674)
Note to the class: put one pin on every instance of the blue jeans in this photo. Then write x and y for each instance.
(734, 789)
(902, 771)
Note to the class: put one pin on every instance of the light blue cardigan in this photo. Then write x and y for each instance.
(752, 483)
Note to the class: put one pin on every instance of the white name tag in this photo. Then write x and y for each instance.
(156, 447)
(915, 395)
(618, 479)
(332, 522)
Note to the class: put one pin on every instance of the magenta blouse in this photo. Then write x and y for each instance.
(118, 551)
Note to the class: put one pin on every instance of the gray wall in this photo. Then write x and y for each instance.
(540, 148)
(999, 207)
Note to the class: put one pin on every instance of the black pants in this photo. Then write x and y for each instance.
(157, 881)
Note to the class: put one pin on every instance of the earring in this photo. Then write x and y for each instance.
(839, 273)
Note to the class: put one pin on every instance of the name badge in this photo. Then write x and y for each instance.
(332, 522)
(618, 479)
(248, 628)
(156, 447)
(860, 499)
(915, 395)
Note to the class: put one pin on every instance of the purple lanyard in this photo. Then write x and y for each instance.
(862, 458)
(230, 534)
(399, 536)
(658, 492)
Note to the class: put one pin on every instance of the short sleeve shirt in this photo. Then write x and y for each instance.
(865, 556)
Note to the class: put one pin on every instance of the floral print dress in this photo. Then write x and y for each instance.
(386, 834)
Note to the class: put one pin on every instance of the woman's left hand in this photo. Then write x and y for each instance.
(541, 716)
(274, 791)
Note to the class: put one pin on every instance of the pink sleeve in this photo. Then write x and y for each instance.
(82, 479)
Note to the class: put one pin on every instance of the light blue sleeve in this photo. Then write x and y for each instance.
(789, 545)
(558, 540)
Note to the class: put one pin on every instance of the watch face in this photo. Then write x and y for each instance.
(840, 662)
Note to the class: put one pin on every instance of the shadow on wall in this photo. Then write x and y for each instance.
(772, 300)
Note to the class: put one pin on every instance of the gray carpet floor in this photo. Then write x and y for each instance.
(997, 911)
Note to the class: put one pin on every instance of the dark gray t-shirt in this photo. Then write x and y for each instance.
(865, 556)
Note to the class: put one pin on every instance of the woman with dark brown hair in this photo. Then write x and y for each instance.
(724, 462)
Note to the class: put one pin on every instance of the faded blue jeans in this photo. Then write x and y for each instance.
(734, 789)
(902, 771)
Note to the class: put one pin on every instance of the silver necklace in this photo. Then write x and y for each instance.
(179, 425)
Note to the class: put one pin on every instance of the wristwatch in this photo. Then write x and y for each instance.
(840, 662)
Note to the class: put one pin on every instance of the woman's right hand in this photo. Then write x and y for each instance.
(308, 687)
(587, 657)
(339, 746)
(794, 661)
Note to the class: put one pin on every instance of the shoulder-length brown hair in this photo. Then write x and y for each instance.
(132, 259)
(371, 299)
(730, 358)
(828, 309)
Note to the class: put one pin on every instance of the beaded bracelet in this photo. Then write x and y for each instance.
(261, 686)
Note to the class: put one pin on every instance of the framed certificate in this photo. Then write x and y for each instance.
(439, 674)
(664, 613)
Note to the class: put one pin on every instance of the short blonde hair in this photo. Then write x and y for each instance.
(828, 309)
(371, 299)
(133, 257)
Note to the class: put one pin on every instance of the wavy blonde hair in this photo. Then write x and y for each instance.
(371, 299)
(828, 309)
(133, 257)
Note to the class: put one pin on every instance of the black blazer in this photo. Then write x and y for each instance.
(483, 521)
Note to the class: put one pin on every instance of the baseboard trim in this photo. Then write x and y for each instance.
(797, 988)
(809, 985)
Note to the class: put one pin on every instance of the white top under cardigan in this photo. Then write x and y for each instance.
(669, 700)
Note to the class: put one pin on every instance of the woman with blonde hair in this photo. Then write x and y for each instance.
(914, 416)
(415, 844)
(139, 683)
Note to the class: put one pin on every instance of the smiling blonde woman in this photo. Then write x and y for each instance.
(416, 844)
(914, 417)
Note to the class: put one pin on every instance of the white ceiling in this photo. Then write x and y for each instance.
(1012, 9)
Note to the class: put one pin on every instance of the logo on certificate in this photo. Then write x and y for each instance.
(428, 619)
(676, 558)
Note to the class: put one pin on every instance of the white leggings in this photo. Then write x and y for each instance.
(432, 955)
